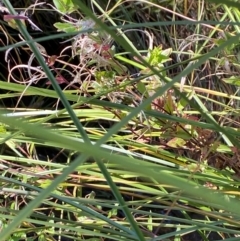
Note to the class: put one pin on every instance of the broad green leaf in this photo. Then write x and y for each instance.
(233, 80)
(65, 6)
(65, 27)
(176, 142)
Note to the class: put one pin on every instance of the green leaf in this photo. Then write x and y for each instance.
(142, 89)
(65, 27)
(176, 142)
(158, 56)
(113, 212)
(182, 103)
(2, 128)
(91, 195)
(232, 80)
(106, 79)
(41, 237)
(150, 222)
(12, 23)
(227, 36)
(65, 6)
(167, 52)
(119, 68)
(169, 105)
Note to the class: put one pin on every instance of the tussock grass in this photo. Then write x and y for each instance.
(124, 126)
